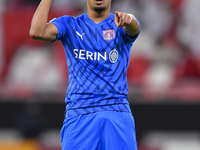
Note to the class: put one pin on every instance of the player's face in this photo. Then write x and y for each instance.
(99, 5)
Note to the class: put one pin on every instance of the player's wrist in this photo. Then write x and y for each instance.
(132, 17)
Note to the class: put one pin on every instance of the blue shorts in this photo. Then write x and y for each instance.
(106, 130)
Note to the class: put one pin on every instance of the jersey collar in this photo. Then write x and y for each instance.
(91, 22)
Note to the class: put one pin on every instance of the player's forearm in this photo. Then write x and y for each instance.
(132, 29)
(39, 19)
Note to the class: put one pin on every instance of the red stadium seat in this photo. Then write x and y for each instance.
(137, 70)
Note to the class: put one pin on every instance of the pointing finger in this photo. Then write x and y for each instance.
(117, 14)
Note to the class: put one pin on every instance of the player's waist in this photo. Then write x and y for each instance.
(78, 100)
(86, 110)
(94, 103)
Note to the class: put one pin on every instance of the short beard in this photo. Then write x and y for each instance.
(99, 9)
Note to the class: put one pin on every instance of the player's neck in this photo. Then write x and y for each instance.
(98, 17)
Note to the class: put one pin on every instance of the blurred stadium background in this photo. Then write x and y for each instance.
(163, 75)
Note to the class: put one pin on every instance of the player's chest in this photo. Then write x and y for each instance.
(95, 39)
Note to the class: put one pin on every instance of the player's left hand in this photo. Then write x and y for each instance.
(122, 19)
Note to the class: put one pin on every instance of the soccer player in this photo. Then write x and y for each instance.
(97, 46)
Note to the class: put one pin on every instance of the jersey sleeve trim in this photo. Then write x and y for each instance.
(60, 24)
(59, 30)
(135, 37)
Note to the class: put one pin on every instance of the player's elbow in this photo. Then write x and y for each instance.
(34, 35)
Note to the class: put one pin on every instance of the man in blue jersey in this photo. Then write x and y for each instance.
(97, 46)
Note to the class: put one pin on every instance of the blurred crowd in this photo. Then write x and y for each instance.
(165, 60)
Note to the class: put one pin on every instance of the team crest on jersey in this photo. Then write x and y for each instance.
(109, 34)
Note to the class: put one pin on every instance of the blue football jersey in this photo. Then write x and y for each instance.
(97, 58)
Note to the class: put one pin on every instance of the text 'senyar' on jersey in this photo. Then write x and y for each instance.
(97, 58)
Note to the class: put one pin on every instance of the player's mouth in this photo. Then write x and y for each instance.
(99, 2)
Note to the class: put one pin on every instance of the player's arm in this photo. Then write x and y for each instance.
(39, 29)
(128, 22)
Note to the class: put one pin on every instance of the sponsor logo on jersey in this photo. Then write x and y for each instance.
(109, 34)
(97, 56)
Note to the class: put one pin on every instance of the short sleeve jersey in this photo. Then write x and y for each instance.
(97, 58)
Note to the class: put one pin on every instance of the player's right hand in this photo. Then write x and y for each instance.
(122, 19)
